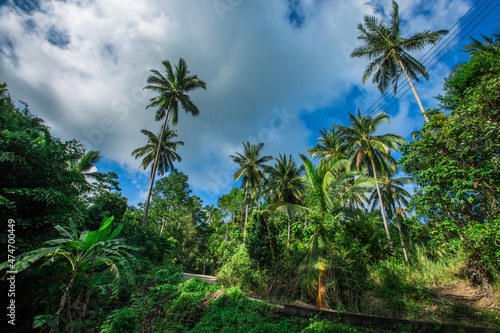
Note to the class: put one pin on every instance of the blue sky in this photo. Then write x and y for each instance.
(276, 71)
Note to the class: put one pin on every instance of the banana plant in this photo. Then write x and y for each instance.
(85, 252)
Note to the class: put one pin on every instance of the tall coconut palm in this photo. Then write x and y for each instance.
(362, 142)
(172, 90)
(251, 171)
(284, 182)
(394, 194)
(322, 186)
(389, 53)
(329, 146)
(163, 154)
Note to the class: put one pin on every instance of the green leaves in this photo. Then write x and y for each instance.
(455, 159)
(387, 51)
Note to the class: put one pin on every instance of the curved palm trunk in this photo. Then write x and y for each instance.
(382, 210)
(258, 199)
(400, 231)
(155, 166)
(414, 91)
(245, 230)
(243, 209)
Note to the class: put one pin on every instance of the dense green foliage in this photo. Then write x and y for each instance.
(456, 162)
(165, 304)
(319, 232)
(38, 189)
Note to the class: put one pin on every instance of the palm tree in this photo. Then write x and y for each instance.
(164, 155)
(172, 90)
(389, 53)
(488, 44)
(284, 182)
(394, 193)
(84, 165)
(362, 142)
(86, 162)
(329, 145)
(251, 165)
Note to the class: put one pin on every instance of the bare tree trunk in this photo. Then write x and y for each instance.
(422, 110)
(382, 210)
(155, 165)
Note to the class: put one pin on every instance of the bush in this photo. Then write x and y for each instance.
(262, 244)
(239, 271)
(121, 320)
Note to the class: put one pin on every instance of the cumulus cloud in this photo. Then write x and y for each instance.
(81, 65)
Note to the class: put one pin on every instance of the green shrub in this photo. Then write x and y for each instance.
(121, 320)
(239, 271)
(262, 240)
(326, 326)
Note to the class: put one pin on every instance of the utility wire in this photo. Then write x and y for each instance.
(447, 52)
(426, 58)
(435, 47)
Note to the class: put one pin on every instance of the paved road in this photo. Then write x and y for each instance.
(206, 278)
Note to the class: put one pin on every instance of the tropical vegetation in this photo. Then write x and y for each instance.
(334, 227)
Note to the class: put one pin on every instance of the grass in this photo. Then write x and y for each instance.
(429, 289)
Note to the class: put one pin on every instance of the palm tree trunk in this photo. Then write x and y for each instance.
(258, 199)
(243, 208)
(414, 90)
(155, 165)
(400, 232)
(225, 242)
(382, 210)
(245, 229)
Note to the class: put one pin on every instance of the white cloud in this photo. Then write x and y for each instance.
(253, 60)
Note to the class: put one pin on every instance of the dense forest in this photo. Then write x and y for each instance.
(336, 228)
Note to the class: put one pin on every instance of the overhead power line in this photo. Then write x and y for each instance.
(435, 51)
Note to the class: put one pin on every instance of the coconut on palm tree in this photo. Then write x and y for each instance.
(163, 154)
(251, 171)
(365, 146)
(172, 90)
(389, 52)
